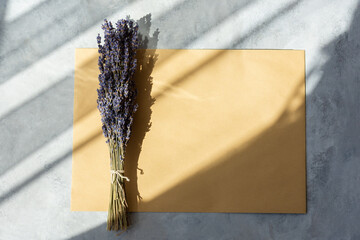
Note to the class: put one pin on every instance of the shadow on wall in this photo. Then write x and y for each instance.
(98, 232)
(185, 18)
(146, 58)
(334, 138)
(3, 5)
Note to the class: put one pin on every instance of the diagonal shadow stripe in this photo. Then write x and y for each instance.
(3, 6)
(50, 105)
(284, 11)
(259, 28)
(46, 22)
(48, 167)
(225, 11)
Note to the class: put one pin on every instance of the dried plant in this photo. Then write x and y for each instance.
(117, 105)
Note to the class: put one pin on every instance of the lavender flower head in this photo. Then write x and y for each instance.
(117, 92)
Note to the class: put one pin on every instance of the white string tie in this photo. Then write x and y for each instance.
(119, 173)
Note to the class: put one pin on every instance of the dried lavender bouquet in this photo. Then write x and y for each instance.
(116, 103)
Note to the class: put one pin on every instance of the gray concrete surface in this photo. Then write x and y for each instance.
(37, 42)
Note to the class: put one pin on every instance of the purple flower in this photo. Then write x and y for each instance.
(117, 92)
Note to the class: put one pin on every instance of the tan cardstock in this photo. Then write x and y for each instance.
(216, 131)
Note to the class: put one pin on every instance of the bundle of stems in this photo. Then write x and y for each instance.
(116, 103)
(117, 213)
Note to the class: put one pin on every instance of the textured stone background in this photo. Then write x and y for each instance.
(37, 42)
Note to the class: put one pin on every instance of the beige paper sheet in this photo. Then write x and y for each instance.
(216, 131)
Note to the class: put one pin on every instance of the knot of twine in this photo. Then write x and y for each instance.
(119, 173)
